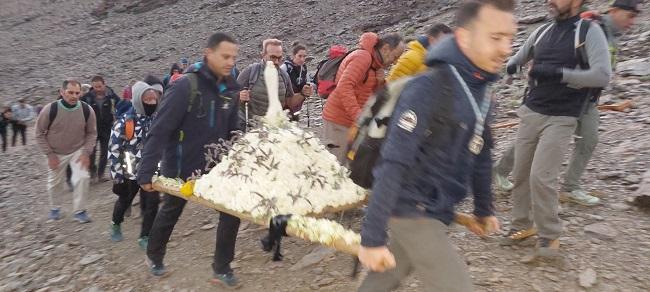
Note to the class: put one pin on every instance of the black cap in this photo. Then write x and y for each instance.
(631, 5)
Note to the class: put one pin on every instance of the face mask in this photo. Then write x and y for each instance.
(149, 109)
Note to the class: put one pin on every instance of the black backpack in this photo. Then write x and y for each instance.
(369, 133)
(326, 74)
(54, 108)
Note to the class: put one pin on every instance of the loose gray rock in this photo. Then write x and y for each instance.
(89, 259)
(312, 258)
(635, 67)
(587, 278)
(601, 231)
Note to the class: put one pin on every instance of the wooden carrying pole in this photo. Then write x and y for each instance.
(338, 244)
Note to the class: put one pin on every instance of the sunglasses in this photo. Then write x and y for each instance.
(275, 58)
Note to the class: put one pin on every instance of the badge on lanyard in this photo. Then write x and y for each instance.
(477, 143)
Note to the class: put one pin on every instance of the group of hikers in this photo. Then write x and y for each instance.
(437, 149)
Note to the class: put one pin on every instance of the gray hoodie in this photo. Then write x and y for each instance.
(138, 90)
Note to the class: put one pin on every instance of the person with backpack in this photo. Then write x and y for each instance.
(199, 109)
(175, 69)
(127, 142)
(358, 75)
(437, 150)
(23, 113)
(412, 61)
(565, 71)
(252, 80)
(66, 132)
(618, 19)
(333, 54)
(296, 67)
(103, 100)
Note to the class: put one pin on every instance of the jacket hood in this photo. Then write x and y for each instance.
(447, 51)
(201, 69)
(367, 42)
(138, 90)
(417, 45)
(423, 40)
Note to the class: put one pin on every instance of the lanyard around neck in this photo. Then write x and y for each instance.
(480, 113)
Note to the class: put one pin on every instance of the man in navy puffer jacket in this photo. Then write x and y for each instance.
(434, 153)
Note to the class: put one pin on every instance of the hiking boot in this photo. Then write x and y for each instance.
(502, 183)
(81, 217)
(143, 242)
(517, 236)
(579, 197)
(55, 214)
(548, 248)
(227, 280)
(156, 270)
(116, 232)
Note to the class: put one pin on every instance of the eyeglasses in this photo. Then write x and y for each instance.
(275, 58)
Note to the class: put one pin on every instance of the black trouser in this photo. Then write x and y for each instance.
(148, 201)
(18, 128)
(102, 140)
(3, 135)
(164, 225)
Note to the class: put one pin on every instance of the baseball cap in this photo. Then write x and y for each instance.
(631, 5)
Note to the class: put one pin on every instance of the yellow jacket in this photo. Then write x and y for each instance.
(410, 63)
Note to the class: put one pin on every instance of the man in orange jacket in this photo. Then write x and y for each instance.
(359, 75)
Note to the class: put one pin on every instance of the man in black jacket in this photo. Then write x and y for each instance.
(184, 125)
(102, 99)
(437, 148)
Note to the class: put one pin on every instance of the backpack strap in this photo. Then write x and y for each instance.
(194, 89)
(54, 108)
(541, 31)
(254, 74)
(580, 39)
(86, 110)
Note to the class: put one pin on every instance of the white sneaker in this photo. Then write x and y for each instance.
(579, 197)
(502, 183)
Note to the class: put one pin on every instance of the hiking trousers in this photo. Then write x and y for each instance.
(164, 224)
(504, 165)
(421, 245)
(102, 141)
(3, 136)
(18, 129)
(126, 192)
(585, 144)
(336, 140)
(80, 181)
(542, 141)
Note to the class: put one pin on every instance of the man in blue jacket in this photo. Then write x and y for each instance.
(184, 124)
(438, 146)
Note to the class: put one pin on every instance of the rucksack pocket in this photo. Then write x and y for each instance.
(364, 161)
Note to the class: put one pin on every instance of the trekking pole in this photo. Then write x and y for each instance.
(246, 115)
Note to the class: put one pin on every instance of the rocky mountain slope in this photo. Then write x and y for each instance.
(43, 41)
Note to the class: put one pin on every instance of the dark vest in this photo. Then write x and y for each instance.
(552, 97)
